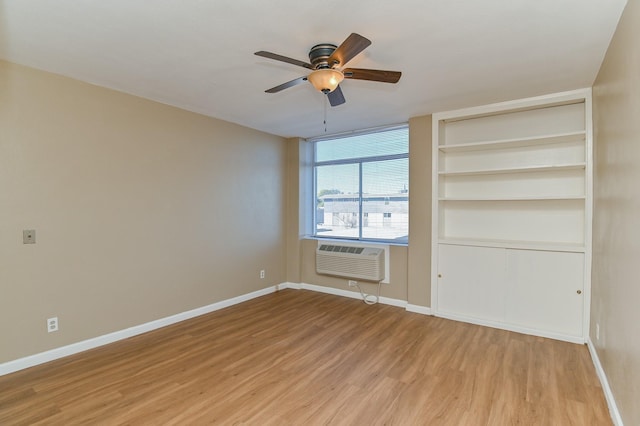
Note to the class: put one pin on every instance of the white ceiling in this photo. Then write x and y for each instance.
(198, 54)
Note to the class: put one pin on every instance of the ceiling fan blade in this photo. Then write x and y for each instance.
(372, 75)
(287, 85)
(336, 97)
(349, 48)
(281, 58)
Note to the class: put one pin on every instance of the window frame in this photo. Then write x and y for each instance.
(359, 161)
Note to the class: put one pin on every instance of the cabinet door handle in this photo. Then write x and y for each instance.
(579, 291)
(439, 275)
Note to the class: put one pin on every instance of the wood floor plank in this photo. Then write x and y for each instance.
(297, 357)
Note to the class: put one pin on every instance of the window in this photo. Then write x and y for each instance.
(359, 181)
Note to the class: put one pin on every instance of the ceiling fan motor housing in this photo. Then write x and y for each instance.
(319, 55)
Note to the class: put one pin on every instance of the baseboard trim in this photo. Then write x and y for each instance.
(608, 394)
(341, 292)
(424, 310)
(74, 348)
(286, 285)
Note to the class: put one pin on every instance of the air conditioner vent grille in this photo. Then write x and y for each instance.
(341, 249)
(365, 263)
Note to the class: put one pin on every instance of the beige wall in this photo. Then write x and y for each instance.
(616, 232)
(295, 209)
(141, 210)
(419, 260)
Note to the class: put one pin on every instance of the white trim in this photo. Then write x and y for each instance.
(511, 327)
(424, 310)
(608, 394)
(74, 348)
(350, 294)
(588, 215)
(549, 99)
(286, 285)
(435, 210)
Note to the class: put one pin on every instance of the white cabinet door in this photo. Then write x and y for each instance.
(545, 290)
(539, 291)
(472, 281)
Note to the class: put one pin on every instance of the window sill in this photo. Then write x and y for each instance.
(354, 241)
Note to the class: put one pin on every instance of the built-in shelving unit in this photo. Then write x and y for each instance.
(513, 176)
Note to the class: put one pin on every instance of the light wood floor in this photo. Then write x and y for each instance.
(303, 358)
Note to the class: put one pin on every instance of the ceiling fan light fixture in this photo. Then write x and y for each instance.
(325, 80)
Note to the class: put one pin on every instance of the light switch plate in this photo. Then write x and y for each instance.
(29, 236)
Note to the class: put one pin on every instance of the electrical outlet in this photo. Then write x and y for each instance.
(262, 274)
(353, 283)
(52, 324)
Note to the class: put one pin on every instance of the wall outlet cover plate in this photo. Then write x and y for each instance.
(29, 236)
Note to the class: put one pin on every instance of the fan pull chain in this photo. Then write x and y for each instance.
(325, 112)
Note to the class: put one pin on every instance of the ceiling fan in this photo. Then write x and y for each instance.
(327, 62)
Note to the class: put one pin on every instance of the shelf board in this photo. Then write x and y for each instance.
(532, 198)
(523, 245)
(514, 143)
(528, 169)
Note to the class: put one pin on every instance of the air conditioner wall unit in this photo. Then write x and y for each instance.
(364, 263)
